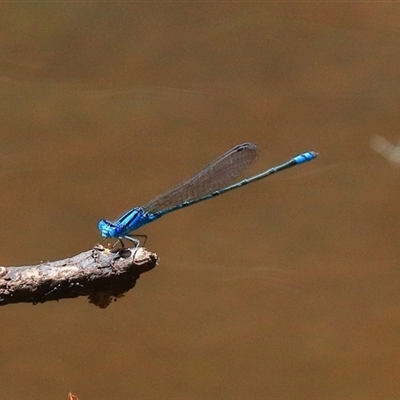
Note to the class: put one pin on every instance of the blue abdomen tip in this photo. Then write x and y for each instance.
(304, 157)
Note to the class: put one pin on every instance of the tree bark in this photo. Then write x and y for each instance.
(101, 274)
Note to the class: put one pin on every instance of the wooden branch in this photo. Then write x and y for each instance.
(101, 274)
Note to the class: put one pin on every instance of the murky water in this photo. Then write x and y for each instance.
(288, 288)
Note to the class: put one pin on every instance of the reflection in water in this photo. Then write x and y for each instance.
(386, 149)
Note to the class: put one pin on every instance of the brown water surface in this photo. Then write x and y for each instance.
(286, 289)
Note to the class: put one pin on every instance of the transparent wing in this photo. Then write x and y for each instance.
(220, 173)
